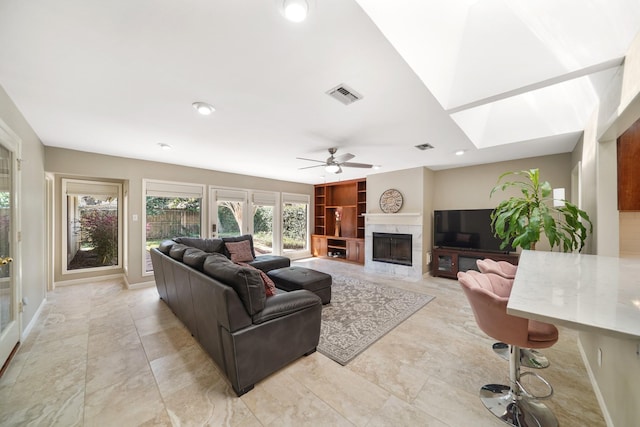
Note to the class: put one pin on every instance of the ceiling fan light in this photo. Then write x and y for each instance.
(295, 10)
(332, 168)
(203, 108)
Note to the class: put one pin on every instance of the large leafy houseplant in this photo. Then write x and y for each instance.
(520, 221)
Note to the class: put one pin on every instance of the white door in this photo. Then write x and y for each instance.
(9, 286)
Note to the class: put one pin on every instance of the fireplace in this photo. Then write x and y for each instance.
(392, 248)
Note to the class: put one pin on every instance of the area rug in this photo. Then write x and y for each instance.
(360, 313)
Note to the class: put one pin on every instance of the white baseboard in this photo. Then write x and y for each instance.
(90, 280)
(594, 384)
(141, 285)
(25, 333)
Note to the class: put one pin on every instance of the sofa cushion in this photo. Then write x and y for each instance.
(267, 263)
(240, 251)
(194, 257)
(269, 285)
(245, 281)
(165, 246)
(177, 251)
(207, 245)
(238, 239)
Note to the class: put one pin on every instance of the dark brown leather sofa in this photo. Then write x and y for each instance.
(248, 335)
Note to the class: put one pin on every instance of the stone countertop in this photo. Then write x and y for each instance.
(585, 292)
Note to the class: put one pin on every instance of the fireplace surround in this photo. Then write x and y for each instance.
(398, 223)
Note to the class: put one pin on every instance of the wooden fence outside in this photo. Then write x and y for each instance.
(172, 223)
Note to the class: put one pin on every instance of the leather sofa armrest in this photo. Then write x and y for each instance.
(283, 304)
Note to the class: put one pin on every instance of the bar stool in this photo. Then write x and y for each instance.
(501, 268)
(530, 358)
(513, 404)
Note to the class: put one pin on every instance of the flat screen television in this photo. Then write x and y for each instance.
(465, 229)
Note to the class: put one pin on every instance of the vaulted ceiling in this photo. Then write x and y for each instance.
(498, 79)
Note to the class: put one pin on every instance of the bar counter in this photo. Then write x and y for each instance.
(585, 292)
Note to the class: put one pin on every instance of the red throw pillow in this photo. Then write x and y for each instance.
(269, 286)
(240, 251)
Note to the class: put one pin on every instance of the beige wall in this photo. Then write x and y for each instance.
(409, 182)
(32, 214)
(618, 379)
(630, 234)
(470, 187)
(415, 186)
(78, 164)
(427, 209)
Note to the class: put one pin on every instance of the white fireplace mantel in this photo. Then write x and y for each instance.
(393, 218)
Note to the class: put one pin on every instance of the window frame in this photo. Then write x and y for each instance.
(65, 225)
(174, 189)
(296, 198)
(268, 198)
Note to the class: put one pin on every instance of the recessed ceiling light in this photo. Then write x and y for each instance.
(203, 108)
(376, 167)
(460, 152)
(295, 10)
(165, 147)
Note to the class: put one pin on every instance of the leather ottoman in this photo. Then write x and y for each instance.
(294, 278)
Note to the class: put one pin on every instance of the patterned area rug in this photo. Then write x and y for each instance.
(360, 313)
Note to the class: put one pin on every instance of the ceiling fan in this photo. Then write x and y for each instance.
(334, 164)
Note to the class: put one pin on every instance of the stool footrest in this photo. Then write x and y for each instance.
(531, 395)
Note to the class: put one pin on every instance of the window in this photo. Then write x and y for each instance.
(264, 212)
(93, 222)
(171, 210)
(230, 206)
(295, 222)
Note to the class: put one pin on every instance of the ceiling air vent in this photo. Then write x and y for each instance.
(344, 94)
(424, 147)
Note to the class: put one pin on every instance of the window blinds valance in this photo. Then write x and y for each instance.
(295, 198)
(263, 199)
(169, 189)
(223, 194)
(90, 188)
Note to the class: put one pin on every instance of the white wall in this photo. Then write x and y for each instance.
(32, 214)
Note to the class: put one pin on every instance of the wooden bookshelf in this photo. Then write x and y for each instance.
(349, 199)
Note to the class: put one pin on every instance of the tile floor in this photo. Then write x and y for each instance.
(103, 355)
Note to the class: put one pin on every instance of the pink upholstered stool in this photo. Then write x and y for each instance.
(501, 268)
(488, 295)
(529, 357)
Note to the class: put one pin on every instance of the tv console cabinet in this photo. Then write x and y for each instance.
(447, 262)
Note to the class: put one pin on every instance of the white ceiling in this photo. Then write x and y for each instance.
(500, 79)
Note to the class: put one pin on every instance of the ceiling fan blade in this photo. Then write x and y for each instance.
(314, 166)
(356, 165)
(343, 157)
(339, 169)
(311, 160)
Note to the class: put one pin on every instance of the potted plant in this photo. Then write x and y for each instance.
(520, 221)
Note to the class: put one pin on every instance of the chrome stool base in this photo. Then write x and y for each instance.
(529, 357)
(523, 412)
